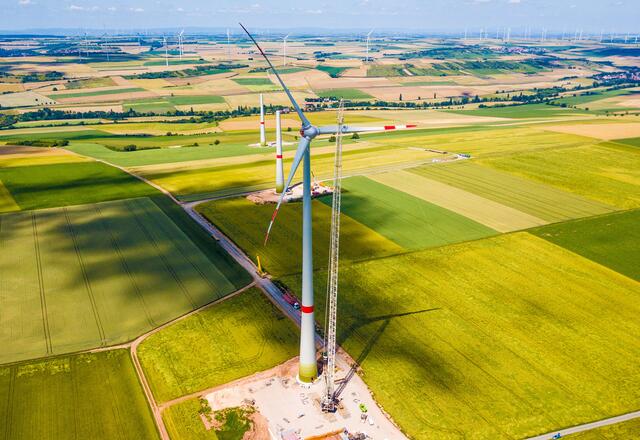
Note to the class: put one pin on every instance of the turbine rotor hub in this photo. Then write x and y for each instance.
(309, 132)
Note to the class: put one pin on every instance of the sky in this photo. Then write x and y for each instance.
(426, 16)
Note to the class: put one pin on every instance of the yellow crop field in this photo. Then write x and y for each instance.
(488, 212)
(262, 174)
(482, 347)
(607, 172)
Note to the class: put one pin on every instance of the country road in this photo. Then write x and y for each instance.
(587, 426)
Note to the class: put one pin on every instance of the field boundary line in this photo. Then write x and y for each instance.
(588, 426)
(43, 299)
(85, 277)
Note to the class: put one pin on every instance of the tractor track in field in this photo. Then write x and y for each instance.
(164, 260)
(125, 266)
(85, 277)
(43, 299)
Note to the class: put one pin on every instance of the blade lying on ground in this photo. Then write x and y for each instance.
(332, 129)
(303, 118)
(302, 147)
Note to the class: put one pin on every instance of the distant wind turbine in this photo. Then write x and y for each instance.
(284, 49)
(368, 38)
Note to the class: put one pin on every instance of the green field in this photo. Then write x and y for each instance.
(97, 93)
(194, 100)
(481, 345)
(46, 186)
(246, 223)
(253, 81)
(525, 195)
(611, 240)
(588, 97)
(95, 275)
(149, 105)
(236, 338)
(607, 172)
(353, 94)
(333, 71)
(386, 70)
(86, 396)
(90, 83)
(408, 221)
(634, 142)
(78, 134)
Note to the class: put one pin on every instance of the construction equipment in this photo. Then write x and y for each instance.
(329, 399)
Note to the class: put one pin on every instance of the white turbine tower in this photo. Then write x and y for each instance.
(284, 50)
(180, 39)
(308, 368)
(166, 51)
(263, 139)
(228, 45)
(279, 168)
(368, 39)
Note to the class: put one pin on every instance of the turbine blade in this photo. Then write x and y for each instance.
(303, 118)
(302, 148)
(332, 129)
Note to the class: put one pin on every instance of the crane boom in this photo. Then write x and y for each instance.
(329, 399)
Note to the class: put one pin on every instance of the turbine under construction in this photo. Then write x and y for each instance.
(307, 368)
(279, 169)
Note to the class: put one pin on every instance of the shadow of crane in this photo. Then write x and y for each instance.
(386, 320)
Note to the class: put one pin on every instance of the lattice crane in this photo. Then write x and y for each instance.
(329, 399)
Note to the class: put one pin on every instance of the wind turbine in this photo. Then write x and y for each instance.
(368, 38)
(180, 43)
(228, 46)
(166, 51)
(307, 369)
(284, 49)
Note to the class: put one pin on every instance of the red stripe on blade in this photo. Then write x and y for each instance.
(278, 156)
(389, 127)
(306, 309)
(261, 122)
(411, 125)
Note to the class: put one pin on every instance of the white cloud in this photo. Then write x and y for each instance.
(513, 1)
(112, 8)
(180, 9)
(136, 9)
(25, 2)
(76, 8)
(313, 11)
